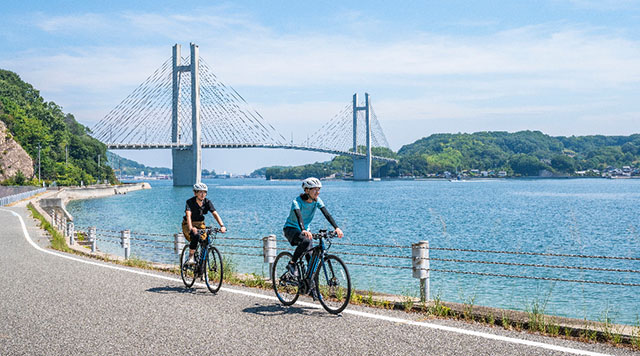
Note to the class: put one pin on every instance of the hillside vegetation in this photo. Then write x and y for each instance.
(524, 153)
(34, 122)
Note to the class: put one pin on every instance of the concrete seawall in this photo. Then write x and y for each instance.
(57, 200)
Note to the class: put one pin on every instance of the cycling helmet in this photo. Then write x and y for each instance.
(200, 186)
(311, 182)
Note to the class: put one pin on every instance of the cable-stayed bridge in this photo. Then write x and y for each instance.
(185, 107)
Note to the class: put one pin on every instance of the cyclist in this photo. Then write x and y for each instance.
(195, 210)
(303, 208)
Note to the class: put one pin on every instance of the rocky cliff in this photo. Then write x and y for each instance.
(12, 157)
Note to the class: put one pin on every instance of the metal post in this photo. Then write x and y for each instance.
(178, 243)
(53, 218)
(125, 242)
(71, 233)
(420, 261)
(92, 238)
(39, 163)
(269, 252)
(63, 225)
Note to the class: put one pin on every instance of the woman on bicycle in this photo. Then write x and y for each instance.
(195, 210)
(303, 208)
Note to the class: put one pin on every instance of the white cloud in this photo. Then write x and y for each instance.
(507, 79)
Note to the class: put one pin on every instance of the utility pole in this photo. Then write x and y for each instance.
(99, 172)
(66, 158)
(38, 163)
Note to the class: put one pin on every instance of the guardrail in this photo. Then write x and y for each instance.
(422, 259)
(17, 197)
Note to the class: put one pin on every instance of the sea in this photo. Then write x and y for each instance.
(566, 247)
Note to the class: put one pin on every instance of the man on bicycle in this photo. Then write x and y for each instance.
(195, 210)
(303, 208)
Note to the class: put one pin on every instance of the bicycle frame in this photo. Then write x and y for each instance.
(317, 257)
(205, 245)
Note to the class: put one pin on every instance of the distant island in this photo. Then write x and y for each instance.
(490, 154)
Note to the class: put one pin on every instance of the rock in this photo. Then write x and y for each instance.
(13, 157)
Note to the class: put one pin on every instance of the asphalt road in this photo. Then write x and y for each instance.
(57, 304)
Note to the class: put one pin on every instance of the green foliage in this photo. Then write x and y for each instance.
(524, 153)
(125, 166)
(57, 240)
(526, 165)
(35, 123)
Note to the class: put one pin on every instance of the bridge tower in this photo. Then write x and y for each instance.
(362, 166)
(187, 161)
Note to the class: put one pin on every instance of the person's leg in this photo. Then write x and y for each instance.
(193, 244)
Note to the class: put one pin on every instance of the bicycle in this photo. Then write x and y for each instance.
(327, 278)
(208, 265)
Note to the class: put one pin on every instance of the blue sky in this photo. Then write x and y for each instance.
(564, 67)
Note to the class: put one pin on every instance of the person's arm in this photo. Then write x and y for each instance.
(187, 213)
(306, 233)
(329, 218)
(216, 216)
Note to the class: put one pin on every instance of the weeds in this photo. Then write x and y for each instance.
(467, 311)
(407, 300)
(134, 261)
(439, 309)
(535, 312)
(506, 323)
(491, 319)
(606, 325)
(57, 240)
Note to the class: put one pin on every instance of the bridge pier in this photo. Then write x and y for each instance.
(187, 162)
(362, 166)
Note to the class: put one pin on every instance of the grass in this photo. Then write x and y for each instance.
(467, 310)
(57, 240)
(536, 313)
(407, 299)
(438, 309)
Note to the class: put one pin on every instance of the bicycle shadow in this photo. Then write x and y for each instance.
(176, 290)
(277, 309)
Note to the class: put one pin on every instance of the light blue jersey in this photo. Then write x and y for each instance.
(307, 210)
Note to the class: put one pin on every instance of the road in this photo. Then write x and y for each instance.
(53, 303)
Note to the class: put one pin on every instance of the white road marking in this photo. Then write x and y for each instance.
(352, 312)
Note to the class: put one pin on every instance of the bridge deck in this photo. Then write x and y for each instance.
(242, 145)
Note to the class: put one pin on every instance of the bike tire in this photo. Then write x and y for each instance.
(286, 289)
(333, 284)
(214, 270)
(188, 273)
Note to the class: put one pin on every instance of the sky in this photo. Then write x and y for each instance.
(563, 67)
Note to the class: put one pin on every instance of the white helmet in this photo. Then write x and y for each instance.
(311, 182)
(200, 186)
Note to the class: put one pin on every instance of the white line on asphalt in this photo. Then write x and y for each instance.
(352, 312)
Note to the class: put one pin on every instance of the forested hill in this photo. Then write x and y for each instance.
(34, 122)
(521, 153)
(524, 153)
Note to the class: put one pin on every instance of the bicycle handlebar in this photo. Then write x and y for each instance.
(324, 234)
(208, 230)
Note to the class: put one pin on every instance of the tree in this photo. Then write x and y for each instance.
(563, 163)
(526, 165)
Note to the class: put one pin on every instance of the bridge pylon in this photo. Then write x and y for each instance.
(362, 165)
(187, 161)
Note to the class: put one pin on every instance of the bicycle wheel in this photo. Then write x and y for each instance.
(187, 272)
(284, 284)
(213, 272)
(333, 284)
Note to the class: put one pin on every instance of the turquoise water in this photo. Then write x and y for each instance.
(570, 216)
